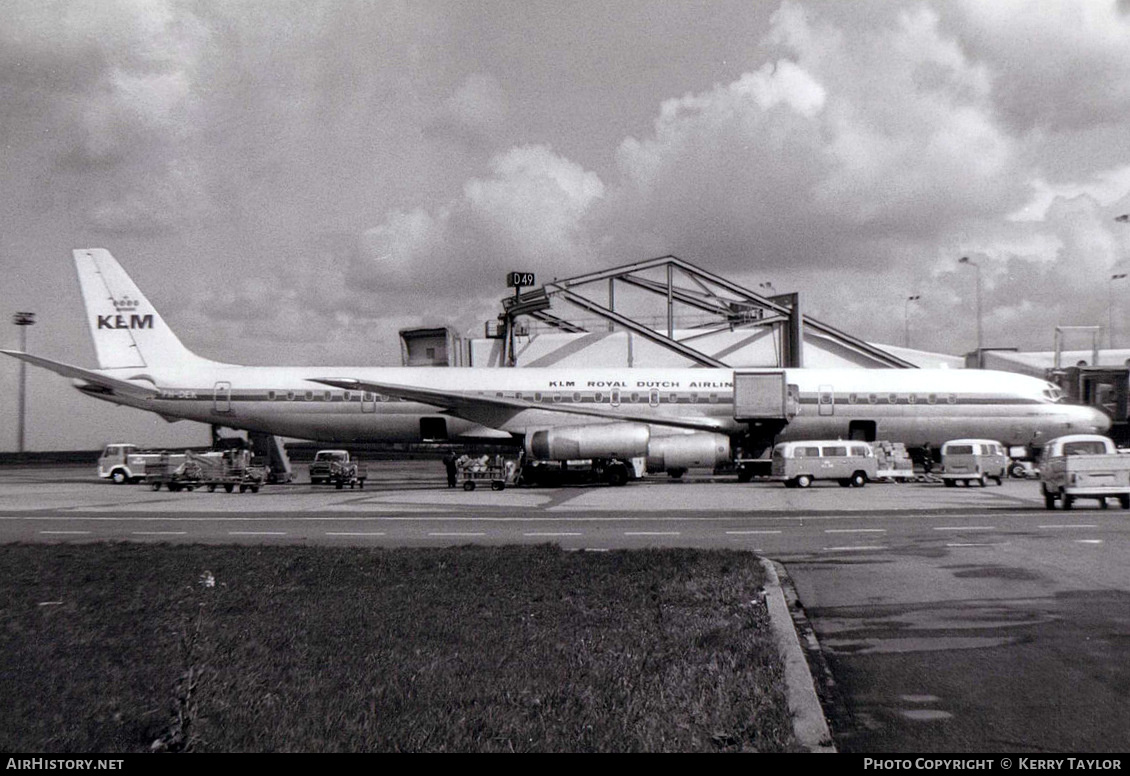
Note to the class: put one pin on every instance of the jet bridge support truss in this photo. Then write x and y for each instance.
(681, 285)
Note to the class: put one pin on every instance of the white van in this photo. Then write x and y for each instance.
(799, 464)
(973, 460)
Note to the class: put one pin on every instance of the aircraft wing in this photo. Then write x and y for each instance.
(112, 384)
(495, 410)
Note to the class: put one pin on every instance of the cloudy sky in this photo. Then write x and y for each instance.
(293, 182)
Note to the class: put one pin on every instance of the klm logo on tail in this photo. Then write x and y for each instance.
(121, 321)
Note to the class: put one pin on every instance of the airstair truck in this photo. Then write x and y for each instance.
(1084, 466)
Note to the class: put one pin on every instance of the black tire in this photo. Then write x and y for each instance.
(469, 485)
(676, 474)
(845, 483)
(1124, 500)
(617, 475)
(803, 480)
(497, 485)
(744, 475)
(949, 483)
(1017, 471)
(229, 487)
(211, 487)
(119, 477)
(156, 486)
(1068, 501)
(858, 480)
(1049, 500)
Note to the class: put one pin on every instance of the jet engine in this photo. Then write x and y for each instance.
(687, 451)
(607, 440)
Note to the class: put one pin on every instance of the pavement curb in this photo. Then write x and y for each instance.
(809, 724)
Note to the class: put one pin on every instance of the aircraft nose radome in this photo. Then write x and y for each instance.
(1097, 420)
(1102, 422)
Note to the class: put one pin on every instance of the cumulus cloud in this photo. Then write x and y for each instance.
(530, 213)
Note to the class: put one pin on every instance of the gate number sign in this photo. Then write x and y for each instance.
(519, 279)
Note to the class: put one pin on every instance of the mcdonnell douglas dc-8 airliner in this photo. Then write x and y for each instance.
(676, 417)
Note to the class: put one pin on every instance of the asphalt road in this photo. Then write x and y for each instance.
(952, 619)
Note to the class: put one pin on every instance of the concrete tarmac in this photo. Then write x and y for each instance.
(949, 619)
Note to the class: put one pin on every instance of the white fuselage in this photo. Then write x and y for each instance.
(914, 406)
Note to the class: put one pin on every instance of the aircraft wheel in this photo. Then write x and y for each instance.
(617, 475)
(803, 481)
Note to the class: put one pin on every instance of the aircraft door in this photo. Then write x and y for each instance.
(827, 400)
(221, 397)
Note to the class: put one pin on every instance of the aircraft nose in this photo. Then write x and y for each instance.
(1093, 421)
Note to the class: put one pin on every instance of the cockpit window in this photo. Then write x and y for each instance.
(1053, 393)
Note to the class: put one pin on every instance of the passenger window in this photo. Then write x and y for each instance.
(835, 451)
(290, 395)
(653, 398)
(873, 398)
(892, 398)
(808, 452)
(852, 398)
(347, 396)
(932, 398)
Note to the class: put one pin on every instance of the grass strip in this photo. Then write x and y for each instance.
(127, 647)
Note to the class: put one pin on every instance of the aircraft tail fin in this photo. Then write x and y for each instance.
(127, 331)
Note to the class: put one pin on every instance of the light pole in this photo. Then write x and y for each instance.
(23, 320)
(906, 319)
(971, 263)
(1122, 219)
(1110, 306)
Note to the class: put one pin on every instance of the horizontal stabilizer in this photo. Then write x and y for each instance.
(111, 384)
(474, 406)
